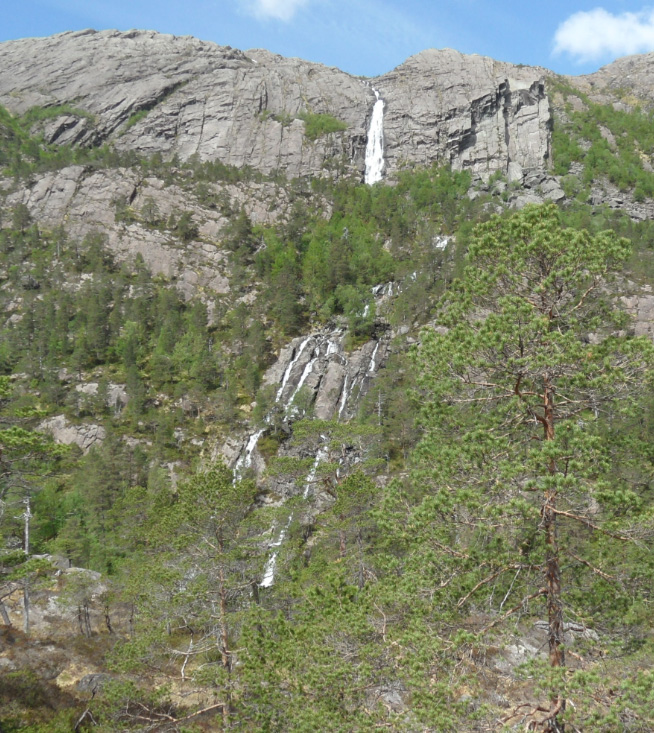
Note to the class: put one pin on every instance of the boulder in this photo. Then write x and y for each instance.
(85, 435)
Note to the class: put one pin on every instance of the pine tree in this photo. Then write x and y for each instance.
(518, 392)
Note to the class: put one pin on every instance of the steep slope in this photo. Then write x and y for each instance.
(172, 295)
(150, 93)
(626, 81)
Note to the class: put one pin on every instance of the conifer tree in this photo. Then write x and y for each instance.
(520, 380)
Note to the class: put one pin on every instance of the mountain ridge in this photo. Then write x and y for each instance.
(193, 270)
(196, 97)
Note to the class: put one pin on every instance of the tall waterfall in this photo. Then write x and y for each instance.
(375, 145)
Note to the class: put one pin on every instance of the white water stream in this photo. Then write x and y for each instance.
(289, 368)
(320, 457)
(372, 365)
(268, 579)
(375, 144)
(344, 395)
(311, 350)
(307, 370)
(271, 564)
(245, 459)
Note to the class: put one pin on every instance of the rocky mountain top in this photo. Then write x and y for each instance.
(150, 93)
(626, 81)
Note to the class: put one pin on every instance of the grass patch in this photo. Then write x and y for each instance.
(136, 117)
(40, 114)
(317, 125)
(143, 111)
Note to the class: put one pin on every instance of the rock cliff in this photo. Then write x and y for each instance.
(624, 82)
(155, 93)
(470, 111)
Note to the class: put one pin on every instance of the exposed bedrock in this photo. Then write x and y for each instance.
(152, 92)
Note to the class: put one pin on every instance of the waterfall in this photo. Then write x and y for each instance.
(344, 395)
(372, 365)
(307, 370)
(375, 145)
(245, 459)
(322, 357)
(271, 564)
(320, 457)
(290, 366)
(268, 579)
(332, 346)
(269, 571)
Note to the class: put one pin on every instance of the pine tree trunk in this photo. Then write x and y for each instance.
(226, 657)
(26, 606)
(553, 573)
(4, 614)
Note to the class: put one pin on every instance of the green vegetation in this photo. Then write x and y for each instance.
(144, 110)
(609, 142)
(38, 114)
(497, 456)
(136, 117)
(514, 438)
(317, 125)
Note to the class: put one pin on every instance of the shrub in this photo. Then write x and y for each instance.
(317, 125)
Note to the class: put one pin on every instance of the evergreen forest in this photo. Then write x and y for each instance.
(473, 551)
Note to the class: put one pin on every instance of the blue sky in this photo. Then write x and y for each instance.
(368, 37)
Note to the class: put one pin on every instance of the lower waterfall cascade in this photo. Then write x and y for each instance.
(335, 382)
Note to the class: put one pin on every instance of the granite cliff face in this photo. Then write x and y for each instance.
(197, 98)
(469, 111)
(623, 82)
(84, 201)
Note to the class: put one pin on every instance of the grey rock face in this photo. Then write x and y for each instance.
(335, 381)
(312, 372)
(197, 98)
(93, 683)
(605, 192)
(618, 82)
(116, 395)
(641, 308)
(85, 436)
(470, 111)
(83, 200)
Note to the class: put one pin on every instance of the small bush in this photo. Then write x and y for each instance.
(317, 125)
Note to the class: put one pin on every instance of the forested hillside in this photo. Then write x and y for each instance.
(301, 454)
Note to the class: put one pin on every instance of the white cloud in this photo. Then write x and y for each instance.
(594, 34)
(278, 9)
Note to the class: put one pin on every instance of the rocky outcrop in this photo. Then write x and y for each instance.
(333, 380)
(623, 82)
(470, 111)
(603, 192)
(192, 97)
(641, 308)
(85, 201)
(150, 93)
(315, 375)
(85, 436)
(116, 396)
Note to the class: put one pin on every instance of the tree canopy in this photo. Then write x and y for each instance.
(525, 375)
